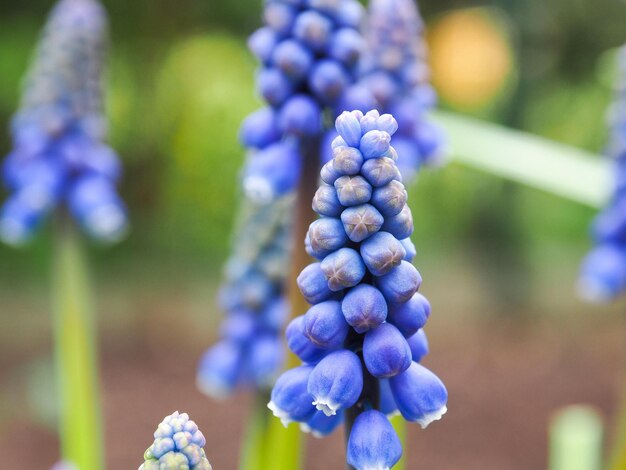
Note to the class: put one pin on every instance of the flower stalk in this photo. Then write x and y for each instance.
(75, 348)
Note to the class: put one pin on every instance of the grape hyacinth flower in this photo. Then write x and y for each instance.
(250, 352)
(394, 68)
(603, 273)
(59, 157)
(178, 445)
(309, 53)
(361, 340)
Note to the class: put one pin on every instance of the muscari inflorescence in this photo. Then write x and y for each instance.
(250, 351)
(362, 339)
(309, 51)
(395, 70)
(603, 273)
(58, 155)
(178, 445)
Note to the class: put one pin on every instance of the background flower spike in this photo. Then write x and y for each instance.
(59, 157)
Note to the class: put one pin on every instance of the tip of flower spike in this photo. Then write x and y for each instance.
(108, 223)
(279, 413)
(430, 417)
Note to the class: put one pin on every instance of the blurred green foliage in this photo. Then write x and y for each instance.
(181, 81)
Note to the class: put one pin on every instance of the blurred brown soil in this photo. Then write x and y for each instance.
(505, 376)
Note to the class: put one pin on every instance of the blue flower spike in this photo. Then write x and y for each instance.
(178, 445)
(59, 157)
(309, 54)
(362, 338)
(603, 272)
(394, 70)
(249, 353)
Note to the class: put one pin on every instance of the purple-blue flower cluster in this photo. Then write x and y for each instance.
(309, 51)
(394, 68)
(361, 340)
(58, 155)
(178, 444)
(603, 273)
(250, 352)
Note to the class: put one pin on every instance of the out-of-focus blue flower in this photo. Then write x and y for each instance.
(64, 466)
(394, 69)
(178, 443)
(362, 338)
(603, 272)
(309, 53)
(59, 157)
(249, 353)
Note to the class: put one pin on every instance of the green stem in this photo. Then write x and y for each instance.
(75, 355)
(253, 451)
(618, 457)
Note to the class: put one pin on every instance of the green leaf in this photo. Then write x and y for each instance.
(540, 163)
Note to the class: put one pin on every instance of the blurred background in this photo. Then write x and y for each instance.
(508, 335)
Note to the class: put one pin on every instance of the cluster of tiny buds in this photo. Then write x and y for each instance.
(58, 154)
(178, 445)
(309, 51)
(361, 340)
(250, 350)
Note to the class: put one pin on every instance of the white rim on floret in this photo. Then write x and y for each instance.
(107, 222)
(259, 189)
(326, 406)
(433, 416)
(280, 413)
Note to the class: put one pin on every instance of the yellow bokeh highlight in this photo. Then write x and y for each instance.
(470, 57)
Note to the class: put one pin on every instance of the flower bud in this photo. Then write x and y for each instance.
(343, 268)
(373, 443)
(352, 190)
(290, 400)
(300, 116)
(400, 283)
(336, 382)
(218, 371)
(419, 394)
(385, 351)
(419, 345)
(349, 128)
(262, 43)
(259, 129)
(379, 171)
(347, 160)
(327, 234)
(264, 359)
(328, 80)
(390, 199)
(410, 316)
(374, 144)
(387, 404)
(313, 29)
(274, 86)
(329, 174)
(409, 247)
(400, 225)
(326, 203)
(293, 59)
(325, 325)
(313, 285)
(364, 308)
(300, 344)
(279, 16)
(346, 46)
(381, 253)
(361, 221)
